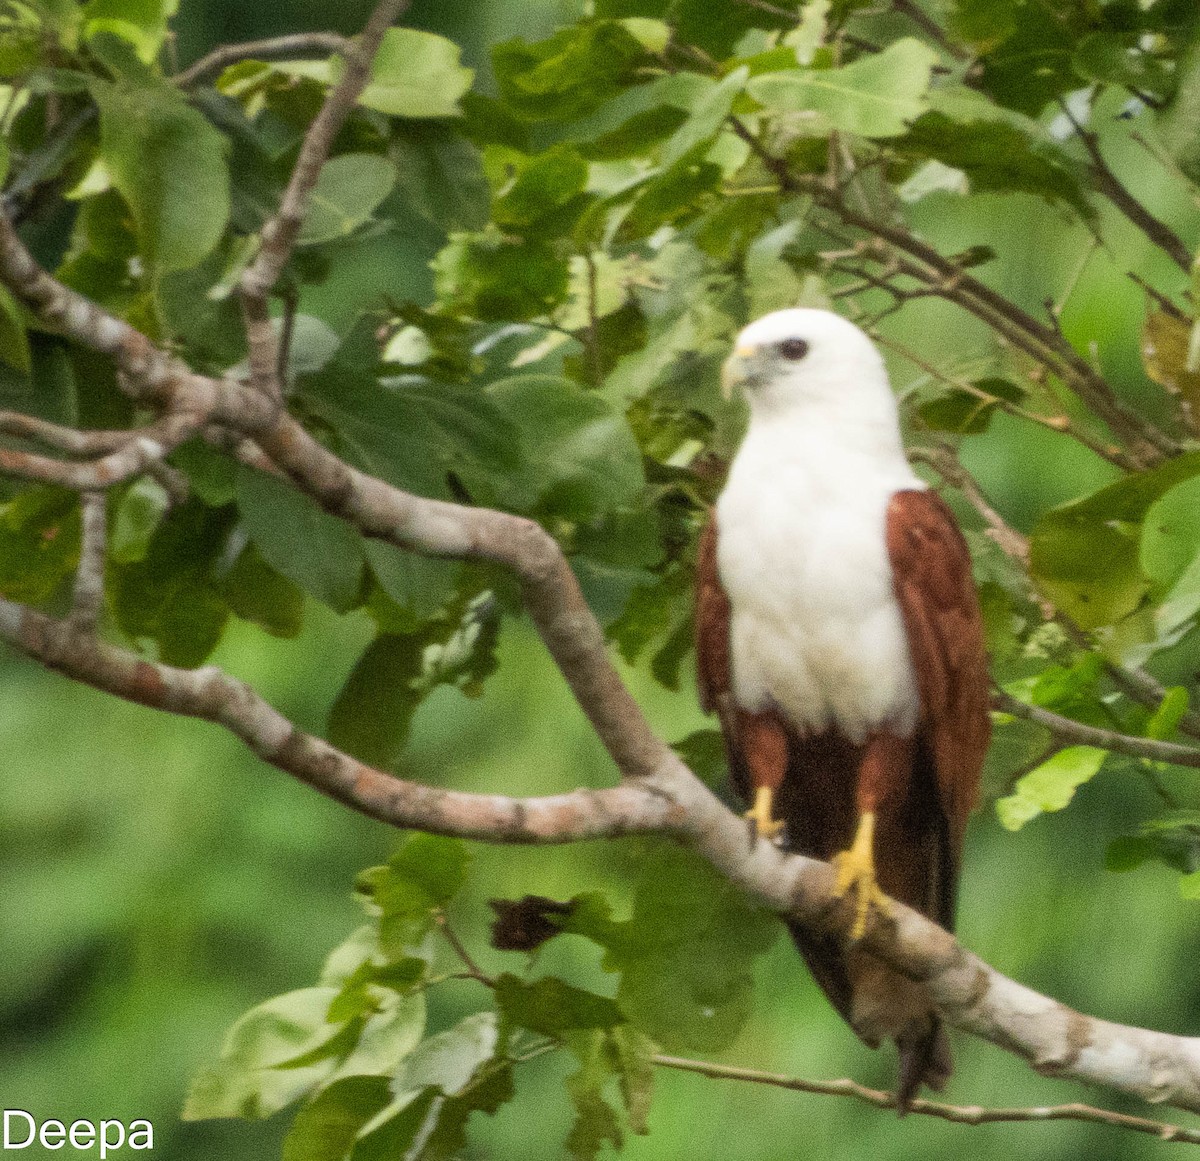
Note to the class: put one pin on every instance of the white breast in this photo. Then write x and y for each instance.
(816, 629)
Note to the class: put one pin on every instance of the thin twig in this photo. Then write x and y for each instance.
(1014, 544)
(1060, 424)
(960, 1114)
(1079, 734)
(67, 439)
(280, 232)
(593, 324)
(1111, 186)
(474, 971)
(141, 450)
(930, 27)
(301, 44)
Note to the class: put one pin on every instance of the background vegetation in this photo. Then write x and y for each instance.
(158, 880)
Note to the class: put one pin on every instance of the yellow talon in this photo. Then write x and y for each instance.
(856, 872)
(762, 824)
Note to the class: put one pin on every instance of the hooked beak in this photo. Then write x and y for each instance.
(737, 370)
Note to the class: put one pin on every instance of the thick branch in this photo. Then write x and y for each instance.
(280, 232)
(971, 995)
(212, 695)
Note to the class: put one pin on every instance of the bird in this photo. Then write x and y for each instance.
(840, 642)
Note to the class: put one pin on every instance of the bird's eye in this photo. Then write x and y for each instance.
(793, 349)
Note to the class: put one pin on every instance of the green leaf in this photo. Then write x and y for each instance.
(1051, 786)
(165, 158)
(138, 514)
(1120, 58)
(1166, 343)
(441, 176)
(420, 584)
(394, 1135)
(347, 192)
(551, 1006)
(420, 879)
(143, 23)
(371, 716)
(671, 196)
(809, 35)
(1084, 555)
(1170, 554)
(246, 1081)
(998, 149)
(14, 342)
(966, 413)
(259, 594)
(170, 596)
(685, 955)
(596, 1121)
(569, 75)
(1172, 839)
(322, 554)
(704, 753)
(448, 1060)
(1033, 63)
(325, 1129)
(373, 711)
(636, 134)
(707, 118)
(540, 190)
(717, 28)
(1164, 722)
(876, 96)
(1179, 121)
(416, 74)
(493, 277)
(39, 544)
(584, 460)
(635, 1072)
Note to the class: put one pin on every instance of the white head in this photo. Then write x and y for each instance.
(809, 364)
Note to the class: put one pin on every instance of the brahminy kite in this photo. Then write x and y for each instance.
(839, 640)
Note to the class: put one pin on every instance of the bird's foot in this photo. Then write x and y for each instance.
(759, 817)
(855, 870)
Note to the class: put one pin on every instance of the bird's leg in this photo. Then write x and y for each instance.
(764, 743)
(855, 869)
(886, 763)
(761, 815)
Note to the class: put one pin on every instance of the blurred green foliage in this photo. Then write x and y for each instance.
(570, 235)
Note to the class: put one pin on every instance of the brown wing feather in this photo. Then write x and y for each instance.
(931, 569)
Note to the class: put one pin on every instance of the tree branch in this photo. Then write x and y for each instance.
(971, 995)
(87, 597)
(141, 450)
(1111, 186)
(279, 233)
(970, 1115)
(300, 44)
(1079, 734)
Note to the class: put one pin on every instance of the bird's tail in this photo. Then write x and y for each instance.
(924, 1060)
